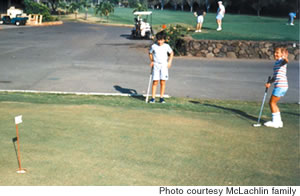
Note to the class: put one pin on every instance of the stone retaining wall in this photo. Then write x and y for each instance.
(238, 49)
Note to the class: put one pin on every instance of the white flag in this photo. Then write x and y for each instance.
(18, 119)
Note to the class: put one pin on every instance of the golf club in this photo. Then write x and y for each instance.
(258, 124)
(149, 84)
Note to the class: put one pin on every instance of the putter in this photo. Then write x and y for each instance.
(149, 84)
(258, 124)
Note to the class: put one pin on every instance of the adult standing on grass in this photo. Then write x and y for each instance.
(220, 15)
(280, 86)
(200, 19)
(161, 56)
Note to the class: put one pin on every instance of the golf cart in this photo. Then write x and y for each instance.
(142, 25)
(18, 20)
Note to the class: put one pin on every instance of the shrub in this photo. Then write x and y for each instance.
(32, 7)
(174, 37)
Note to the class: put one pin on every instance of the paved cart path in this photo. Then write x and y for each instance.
(78, 57)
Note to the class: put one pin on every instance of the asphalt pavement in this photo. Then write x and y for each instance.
(79, 57)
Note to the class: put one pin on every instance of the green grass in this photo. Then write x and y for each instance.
(235, 27)
(98, 140)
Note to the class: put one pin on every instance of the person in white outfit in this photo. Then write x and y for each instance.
(220, 15)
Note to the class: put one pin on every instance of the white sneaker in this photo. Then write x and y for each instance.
(274, 124)
(199, 31)
(219, 29)
(292, 24)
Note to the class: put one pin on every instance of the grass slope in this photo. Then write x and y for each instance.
(97, 140)
(235, 27)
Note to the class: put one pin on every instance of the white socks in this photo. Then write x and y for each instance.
(276, 117)
(276, 121)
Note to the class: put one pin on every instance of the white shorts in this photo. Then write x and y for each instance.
(200, 19)
(219, 17)
(160, 72)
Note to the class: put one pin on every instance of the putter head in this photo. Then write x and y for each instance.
(21, 171)
(256, 125)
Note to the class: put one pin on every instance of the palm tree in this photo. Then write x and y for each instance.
(86, 4)
(163, 3)
(175, 3)
(191, 3)
(104, 8)
(152, 3)
(75, 7)
(62, 6)
(140, 7)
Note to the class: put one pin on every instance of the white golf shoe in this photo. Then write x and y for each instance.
(219, 29)
(274, 124)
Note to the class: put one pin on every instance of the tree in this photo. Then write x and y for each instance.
(74, 8)
(32, 7)
(62, 6)
(227, 3)
(175, 3)
(140, 7)
(200, 3)
(258, 5)
(239, 4)
(104, 8)
(54, 5)
(207, 4)
(191, 3)
(133, 3)
(153, 3)
(163, 3)
(182, 4)
(86, 4)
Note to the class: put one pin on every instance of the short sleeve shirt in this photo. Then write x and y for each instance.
(292, 14)
(280, 70)
(221, 10)
(200, 12)
(160, 53)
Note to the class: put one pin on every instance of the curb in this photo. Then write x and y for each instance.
(79, 93)
(104, 24)
(47, 24)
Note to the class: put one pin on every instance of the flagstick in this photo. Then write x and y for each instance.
(20, 170)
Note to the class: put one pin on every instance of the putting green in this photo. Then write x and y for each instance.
(96, 140)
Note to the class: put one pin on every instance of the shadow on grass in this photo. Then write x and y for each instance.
(132, 92)
(291, 113)
(209, 28)
(203, 28)
(14, 143)
(239, 112)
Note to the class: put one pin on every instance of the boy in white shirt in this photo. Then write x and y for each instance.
(161, 56)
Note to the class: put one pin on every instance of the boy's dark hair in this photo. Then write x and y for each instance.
(161, 35)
